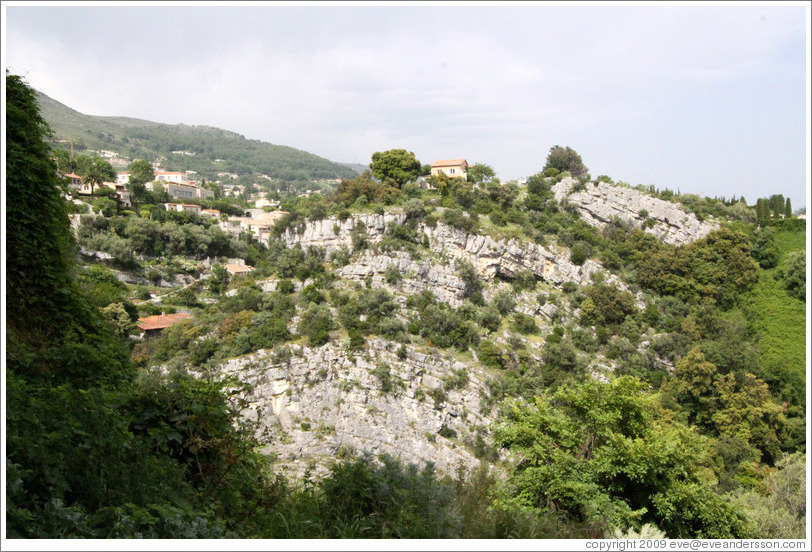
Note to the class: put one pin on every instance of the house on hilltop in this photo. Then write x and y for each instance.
(455, 168)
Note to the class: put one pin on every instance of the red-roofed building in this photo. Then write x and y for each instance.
(239, 268)
(152, 326)
(455, 168)
(75, 180)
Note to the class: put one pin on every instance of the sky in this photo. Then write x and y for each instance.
(710, 99)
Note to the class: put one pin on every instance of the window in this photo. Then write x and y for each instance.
(451, 171)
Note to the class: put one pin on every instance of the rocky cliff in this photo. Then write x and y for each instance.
(491, 258)
(312, 403)
(599, 202)
(413, 401)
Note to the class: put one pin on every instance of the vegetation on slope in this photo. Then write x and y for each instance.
(689, 433)
(139, 139)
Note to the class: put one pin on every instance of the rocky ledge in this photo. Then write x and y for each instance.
(599, 202)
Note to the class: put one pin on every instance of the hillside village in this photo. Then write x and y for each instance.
(412, 351)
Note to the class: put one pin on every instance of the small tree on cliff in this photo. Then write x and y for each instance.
(566, 159)
(399, 165)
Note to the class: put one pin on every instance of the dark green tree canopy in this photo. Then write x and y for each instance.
(141, 172)
(396, 164)
(565, 159)
(52, 331)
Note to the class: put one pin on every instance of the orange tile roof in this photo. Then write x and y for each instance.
(161, 321)
(234, 268)
(449, 163)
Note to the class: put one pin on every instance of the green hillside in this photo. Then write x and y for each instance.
(394, 361)
(215, 150)
(780, 320)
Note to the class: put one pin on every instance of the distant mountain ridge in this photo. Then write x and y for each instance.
(208, 150)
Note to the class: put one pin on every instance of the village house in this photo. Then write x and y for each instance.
(262, 202)
(212, 213)
(75, 181)
(190, 208)
(123, 195)
(171, 176)
(185, 190)
(118, 190)
(258, 223)
(455, 168)
(235, 268)
(152, 326)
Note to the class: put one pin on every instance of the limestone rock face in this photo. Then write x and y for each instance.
(415, 276)
(331, 233)
(598, 202)
(491, 258)
(419, 407)
(504, 259)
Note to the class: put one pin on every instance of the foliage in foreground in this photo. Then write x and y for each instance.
(602, 454)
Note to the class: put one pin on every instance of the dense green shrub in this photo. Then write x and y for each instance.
(524, 324)
(795, 275)
(316, 323)
(598, 452)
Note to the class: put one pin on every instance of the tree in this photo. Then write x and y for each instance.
(788, 209)
(765, 249)
(778, 205)
(119, 318)
(599, 453)
(397, 164)
(98, 172)
(348, 191)
(479, 173)
(778, 509)
(64, 163)
(565, 159)
(795, 275)
(141, 172)
(762, 211)
(47, 317)
(609, 305)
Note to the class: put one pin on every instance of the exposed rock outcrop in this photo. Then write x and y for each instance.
(416, 406)
(599, 202)
(415, 276)
(491, 258)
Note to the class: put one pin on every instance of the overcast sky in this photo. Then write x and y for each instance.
(699, 98)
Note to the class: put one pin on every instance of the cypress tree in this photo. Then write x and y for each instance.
(788, 209)
(761, 211)
(778, 203)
